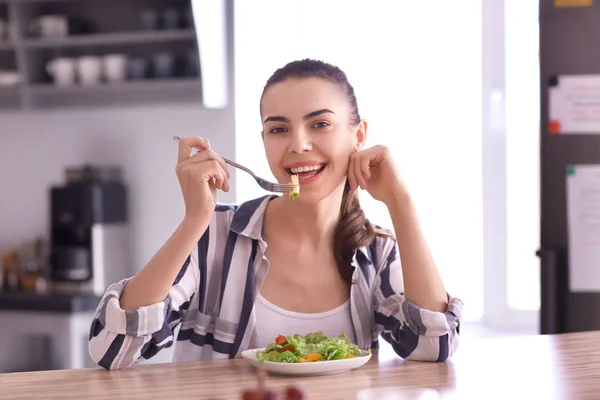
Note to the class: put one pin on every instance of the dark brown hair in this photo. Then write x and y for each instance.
(354, 229)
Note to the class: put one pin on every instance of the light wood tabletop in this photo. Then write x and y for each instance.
(563, 366)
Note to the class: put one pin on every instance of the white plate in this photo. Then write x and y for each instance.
(309, 368)
(397, 393)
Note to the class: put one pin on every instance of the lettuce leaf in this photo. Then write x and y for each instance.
(331, 348)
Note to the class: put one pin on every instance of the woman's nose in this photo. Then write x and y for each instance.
(301, 142)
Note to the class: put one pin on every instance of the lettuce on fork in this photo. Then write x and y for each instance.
(295, 192)
(309, 348)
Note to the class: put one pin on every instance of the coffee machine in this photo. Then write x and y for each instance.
(89, 247)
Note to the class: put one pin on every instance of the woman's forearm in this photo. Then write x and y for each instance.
(153, 282)
(422, 282)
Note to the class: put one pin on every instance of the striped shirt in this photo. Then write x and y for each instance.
(212, 300)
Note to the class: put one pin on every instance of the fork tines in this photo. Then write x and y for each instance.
(281, 187)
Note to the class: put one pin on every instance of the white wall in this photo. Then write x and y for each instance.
(36, 147)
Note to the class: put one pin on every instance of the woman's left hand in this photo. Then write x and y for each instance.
(373, 170)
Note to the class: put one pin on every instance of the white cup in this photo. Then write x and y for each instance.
(50, 26)
(89, 70)
(9, 78)
(115, 67)
(62, 71)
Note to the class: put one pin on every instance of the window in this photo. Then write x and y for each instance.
(522, 153)
(417, 73)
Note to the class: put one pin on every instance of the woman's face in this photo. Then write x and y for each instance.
(307, 131)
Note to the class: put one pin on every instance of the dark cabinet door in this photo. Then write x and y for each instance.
(569, 45)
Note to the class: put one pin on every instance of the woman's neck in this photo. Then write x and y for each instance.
(312, 224)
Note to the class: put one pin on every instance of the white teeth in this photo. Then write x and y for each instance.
(305, 169)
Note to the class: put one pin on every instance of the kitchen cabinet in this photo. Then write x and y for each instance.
(155, 42)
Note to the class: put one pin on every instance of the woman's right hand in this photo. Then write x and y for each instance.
(200, 176)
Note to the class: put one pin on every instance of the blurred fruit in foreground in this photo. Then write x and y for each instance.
(294, 393)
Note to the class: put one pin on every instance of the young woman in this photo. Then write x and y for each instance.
(234, 277)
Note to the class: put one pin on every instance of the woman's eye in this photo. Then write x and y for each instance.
(321, 124)
(277, 129)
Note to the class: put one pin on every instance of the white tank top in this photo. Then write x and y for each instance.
(272, 321)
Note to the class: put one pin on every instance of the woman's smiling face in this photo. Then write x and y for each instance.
(307, 131)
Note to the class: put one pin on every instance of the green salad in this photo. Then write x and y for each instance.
(310, 348)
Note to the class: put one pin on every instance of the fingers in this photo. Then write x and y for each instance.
(210, 171)
(359, 172)
(187, 144)
(364, 163)
(221, 178)
(206, 155)
(352, 173)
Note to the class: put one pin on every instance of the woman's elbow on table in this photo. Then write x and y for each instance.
(413, 346)
(436, 334)
(434, 348)
(120, 338)
(117, 351)
(102, 351)
(418, 334)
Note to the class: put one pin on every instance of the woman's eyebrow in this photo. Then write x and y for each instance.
(318, 112)
(278, 118)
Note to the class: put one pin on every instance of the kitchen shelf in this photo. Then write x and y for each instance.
(106, 39)
(102, 27)
(39, 1)
(116, 94)
(127, 86)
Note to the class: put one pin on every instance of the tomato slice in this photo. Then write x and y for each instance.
(281, 340)
(289, 347)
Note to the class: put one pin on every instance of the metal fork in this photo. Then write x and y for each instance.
(263, 183)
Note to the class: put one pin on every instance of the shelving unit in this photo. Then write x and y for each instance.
(102, 27)
(107, 39)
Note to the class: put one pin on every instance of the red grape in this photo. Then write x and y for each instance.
(252, 394)
(294, 393)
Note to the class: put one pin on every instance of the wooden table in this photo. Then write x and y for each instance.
(531, 367)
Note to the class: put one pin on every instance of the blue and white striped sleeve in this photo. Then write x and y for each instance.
(119, 338)
(414, 333)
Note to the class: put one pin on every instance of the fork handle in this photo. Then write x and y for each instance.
(233, 163)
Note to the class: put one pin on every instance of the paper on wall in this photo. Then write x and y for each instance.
(574, 104)
(583, 223)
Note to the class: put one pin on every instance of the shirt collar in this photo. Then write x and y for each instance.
(248, 221)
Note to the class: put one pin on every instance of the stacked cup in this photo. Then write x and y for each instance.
(88, 70)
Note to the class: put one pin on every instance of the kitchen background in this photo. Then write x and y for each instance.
(441, 84)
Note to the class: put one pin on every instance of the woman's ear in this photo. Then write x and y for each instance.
(361, 135)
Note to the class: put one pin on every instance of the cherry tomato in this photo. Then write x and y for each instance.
(281, 340)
